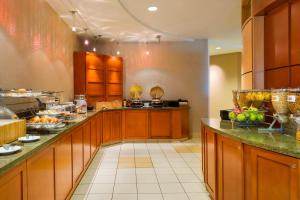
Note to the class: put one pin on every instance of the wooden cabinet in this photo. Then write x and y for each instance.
(40, 175)
(86, 143)
(100, 129)
(295, 32)
(180, 123)
(94, 130)
(210, 162)
(63, 167)
(230, 169)
(247, 53)
(160, 124)
(258, 6)
(77, 153)
(13, 184)
(246, 81)
(99, 77)
(277, 37)
(107, 117)
(135, 124)
(116, 125)
(295, 76)
(272, 176)
(277, 78)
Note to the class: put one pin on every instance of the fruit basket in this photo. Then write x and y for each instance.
(247, 117)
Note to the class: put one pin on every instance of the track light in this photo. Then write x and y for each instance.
(73, 12)
(86, 42)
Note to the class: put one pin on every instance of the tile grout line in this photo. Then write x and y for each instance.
(112, 195)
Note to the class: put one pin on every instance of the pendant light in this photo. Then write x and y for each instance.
(86, 41)
(118, 51)
(95, 42)
(73, 12)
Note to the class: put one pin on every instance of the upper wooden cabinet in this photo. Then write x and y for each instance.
(272, 176)
(259, 6)
(247, 53)
(295, 76)
(277, 78)
(295, 32)
(246, 81)
(277, 37)
(230, 169)
(99, 77)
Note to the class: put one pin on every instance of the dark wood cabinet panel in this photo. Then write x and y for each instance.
(258, 6)
(79, 72)
(295, 76)
(295, 32)
(13, 184)
(94, 130)
(277, 78)
(94, 61)
(86, 143)
(114, 77)
(100, 129)
(160, 124)
(40, 175)
(230, 159)
(116, 125)
(272, 176)
(63, 167)
(95, 76)
(180, 123)
(136, 124)
(277, 37)
(107, 117)
(210, 173)
(96, 89)
(77, 153)
(114, 89)
(114, 63)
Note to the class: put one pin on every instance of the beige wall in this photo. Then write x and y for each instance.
(181, 68)
(36, 47)
(224, 76)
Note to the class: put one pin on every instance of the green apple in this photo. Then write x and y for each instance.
(253, 117)
(260, 117)
(241, 117)
(232, 115)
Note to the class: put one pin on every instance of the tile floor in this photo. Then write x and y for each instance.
(145, 171)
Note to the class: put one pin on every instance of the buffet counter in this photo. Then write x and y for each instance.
(242, 163)
(62, 156)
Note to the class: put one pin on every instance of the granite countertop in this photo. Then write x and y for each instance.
(29, 149)
(276, 142)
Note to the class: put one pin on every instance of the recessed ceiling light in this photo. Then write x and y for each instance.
(152, 8)
(86, 42)
(218, 48)
(147, 52)
(118, 52)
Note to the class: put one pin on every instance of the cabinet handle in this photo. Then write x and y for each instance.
(293, 166)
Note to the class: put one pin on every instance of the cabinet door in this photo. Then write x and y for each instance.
(77, 153)
(203, 143)
(277, 78)
(272, 176)
(100, 129)
(40, 175)
(13, 184)
(277, 37)
(160, 124)
(94, 129)
(210, 162)
(116, 125)
(247, 55)
(295, 32)
(230, 159)
(106, 127)
(136, 124)
(86, 142)
(63, 168)
(295, 76)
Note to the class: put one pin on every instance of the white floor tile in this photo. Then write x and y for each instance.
(164, 171)
(178, 196)
(193, 187)
(99, 196)
(150, 197)
(125, 178)
(198, 196)
(125, 188)
(126, 171)
(171, 188)
(124, 197)
(104, 179)
(183, 170)
(188, 178)
(167, 178)
(145, 171)
(106, 172)
(149, 188)
(146, 178)
(78, 197)
(102, 188)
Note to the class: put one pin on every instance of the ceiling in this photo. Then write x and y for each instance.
(175, 20)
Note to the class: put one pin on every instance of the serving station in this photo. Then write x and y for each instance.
(58, 140)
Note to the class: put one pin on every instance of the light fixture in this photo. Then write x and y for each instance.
(73, 12)
(95, 42)
(118, 52)
(147, 52)
(218, 48)
(86, 41)
(94, 49)
(158, 37)
(152, 8)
